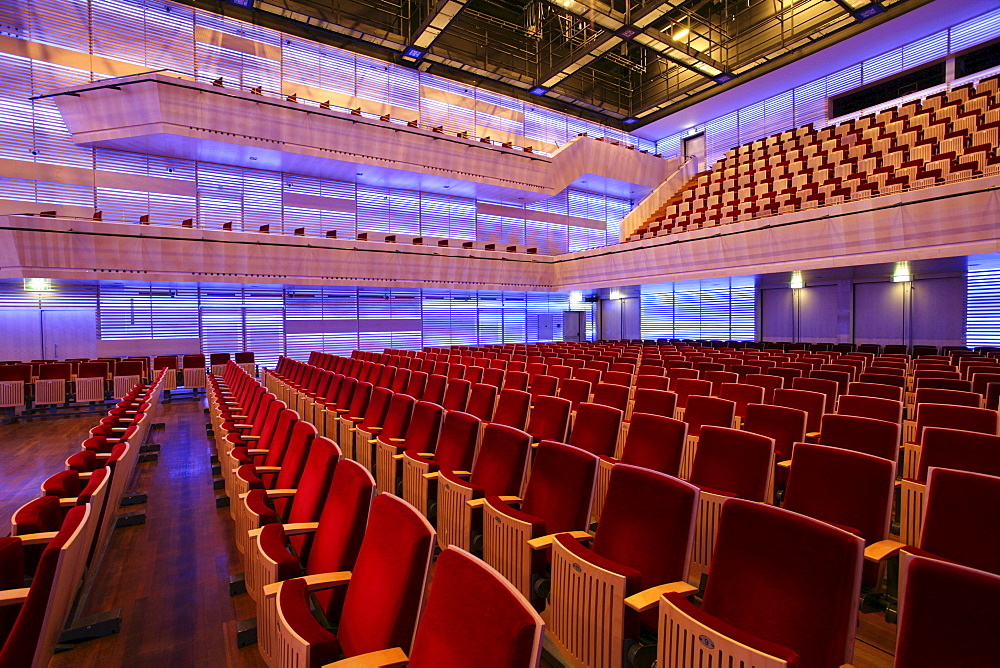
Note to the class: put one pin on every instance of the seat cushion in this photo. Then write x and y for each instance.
(65, 484)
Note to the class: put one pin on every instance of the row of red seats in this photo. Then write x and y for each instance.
(366, 562)
(951, 136)
(58, 540)
(713, 439)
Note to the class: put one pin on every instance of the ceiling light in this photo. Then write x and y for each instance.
(797, 281)
(681, 34)
(576, 297)
(37, 285)
(902, 273)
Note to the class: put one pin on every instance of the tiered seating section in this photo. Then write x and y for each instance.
(41, 385)
(948, 136)
(683, 454)
(58, 540)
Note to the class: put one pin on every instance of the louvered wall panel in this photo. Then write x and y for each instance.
(810, 100)
(720, 309)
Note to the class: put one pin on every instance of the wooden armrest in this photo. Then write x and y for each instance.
(239, 417)
(13, 596)
(267, 469)
(784, 464)
(242, 426)
(397, 440)
(461, 473)
(296, 529)
(67, 502)
(299, 528)
(645, 600)
(433, 475)
(477, 503)
(882, 550)
(375, 430)
(250, 437)
(398, 457)
(257, 451)
(280, 493)
(543, 542)
(86, 475)
(103, 455)
(119, 429)
(37, 538)
(427, 455)
(314, 582)
(384, 658)
(812, 434)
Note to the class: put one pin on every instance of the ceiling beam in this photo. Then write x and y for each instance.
(617, 31)
(432, 26)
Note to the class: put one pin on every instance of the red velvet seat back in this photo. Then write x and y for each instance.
(689, 387)
(515, 380)
(378, 408)
(877, 408)
(810, 402)
(654, 402)
(434, 389)
(425, 427)
(387, 584)
(482, 401)
(416, 385)
(703, 411)
(960, 518)
(385, 377)
(512, 408)
(861, 434)
(459, 437)
(851, 490)
(400, 381)
(493, 377)
(549, 419)
(611, 394)
(576, 390)
(279, 440)
(561, 487)
(655, 442)
(359, 400)
(543, 385)
(397, 418)
(474, 619)
(952, 397)
(294, 459)
(19, 649)
(647, 524)
(592, 376)
(735, 462)
(740, 393)
(456, 397)
(596, 429)
(875, 390)
(311, 491)
(787, 579)
(827, 388)
(503, 455)
(981, 420)
(769, 383)
(930, 630)
(652, 381)
(960, 450)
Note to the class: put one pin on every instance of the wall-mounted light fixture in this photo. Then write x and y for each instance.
(901, 274)
(37, 285)
(616, 294)
(797, 281)
(575, 297)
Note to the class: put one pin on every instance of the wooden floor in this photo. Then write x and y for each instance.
(170, 576)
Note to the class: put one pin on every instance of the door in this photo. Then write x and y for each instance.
(544, 326)
(574, 325)
(21, 332)
(694, 147)
(69, 332)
